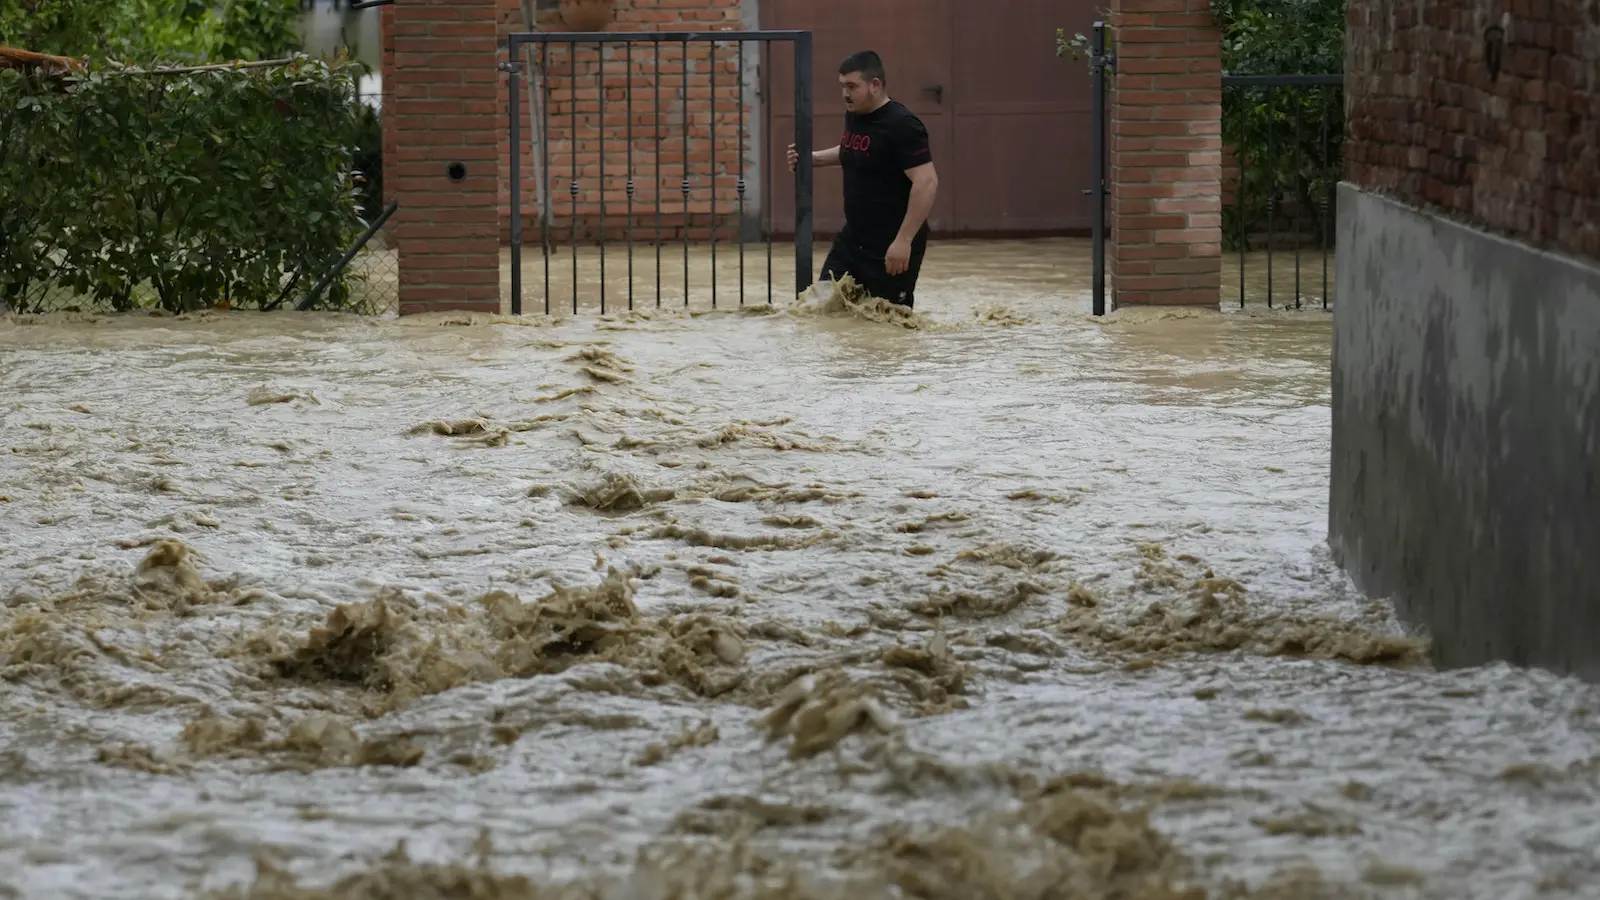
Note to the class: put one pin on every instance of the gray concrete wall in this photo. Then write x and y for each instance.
(1466, 435)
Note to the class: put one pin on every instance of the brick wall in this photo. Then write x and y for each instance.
(1518, 154)
(1166, 154)
(681, 125)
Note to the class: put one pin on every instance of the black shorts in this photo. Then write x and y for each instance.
(848, 257)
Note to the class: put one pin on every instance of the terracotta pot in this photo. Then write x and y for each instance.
(586, 15)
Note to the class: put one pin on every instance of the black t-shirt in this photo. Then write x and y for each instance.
(875, 151)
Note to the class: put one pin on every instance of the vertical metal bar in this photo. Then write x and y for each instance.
(802, 180)
(767, 163)
(1240, 155)
(713, 114)
(628, 93)
(1327, 186)
(657, 142)
(545, 220)
(1294, 95)
(513, 69)
(740, 187)
(600, 52)
(1098, 164)
(1272, 184)
(537, 96)
(572, 143)
(684, 110)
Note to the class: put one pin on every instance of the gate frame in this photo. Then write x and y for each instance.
(1329, 211)
(1099, 62)
(803, 182)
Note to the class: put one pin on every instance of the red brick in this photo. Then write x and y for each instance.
(1189, 236)
(479, 306)
(1192, 264)
(1149, 128)
(1152, 66)
(1141, 222)
(1153, 284)
(1199, 204)
(1153, 252)
(430, 293)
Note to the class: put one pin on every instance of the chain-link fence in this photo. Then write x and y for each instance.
(373, 275)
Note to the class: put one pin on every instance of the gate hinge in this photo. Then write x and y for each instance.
(512, 66)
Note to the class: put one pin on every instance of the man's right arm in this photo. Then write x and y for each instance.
(819, 158)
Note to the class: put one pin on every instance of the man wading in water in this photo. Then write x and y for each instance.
(889, 186)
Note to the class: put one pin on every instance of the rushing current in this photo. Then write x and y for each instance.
(812, 600)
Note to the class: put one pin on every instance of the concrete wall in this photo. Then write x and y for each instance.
(1466, 434)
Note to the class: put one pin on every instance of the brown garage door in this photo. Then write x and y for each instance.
(1009, 121)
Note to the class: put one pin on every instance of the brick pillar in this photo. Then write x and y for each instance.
(1166, 154)
(444, 113)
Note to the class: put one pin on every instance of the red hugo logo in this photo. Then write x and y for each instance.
(850, 141)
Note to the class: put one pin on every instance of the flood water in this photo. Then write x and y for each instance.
(807, 601)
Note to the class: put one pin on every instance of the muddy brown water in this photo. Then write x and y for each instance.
(991, 602)
(641, 278)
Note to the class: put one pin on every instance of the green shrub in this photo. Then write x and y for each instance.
(146, 30)
(226, 187)
(1292, 138)
(368, 159)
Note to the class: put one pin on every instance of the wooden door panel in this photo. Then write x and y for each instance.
(1022, 117)
(1022, 173)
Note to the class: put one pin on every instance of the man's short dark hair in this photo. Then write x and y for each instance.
(865, 62)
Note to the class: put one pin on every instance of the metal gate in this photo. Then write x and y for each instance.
(1285, 136)
(1099, 62)
(1282, 138)
(593, 203)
